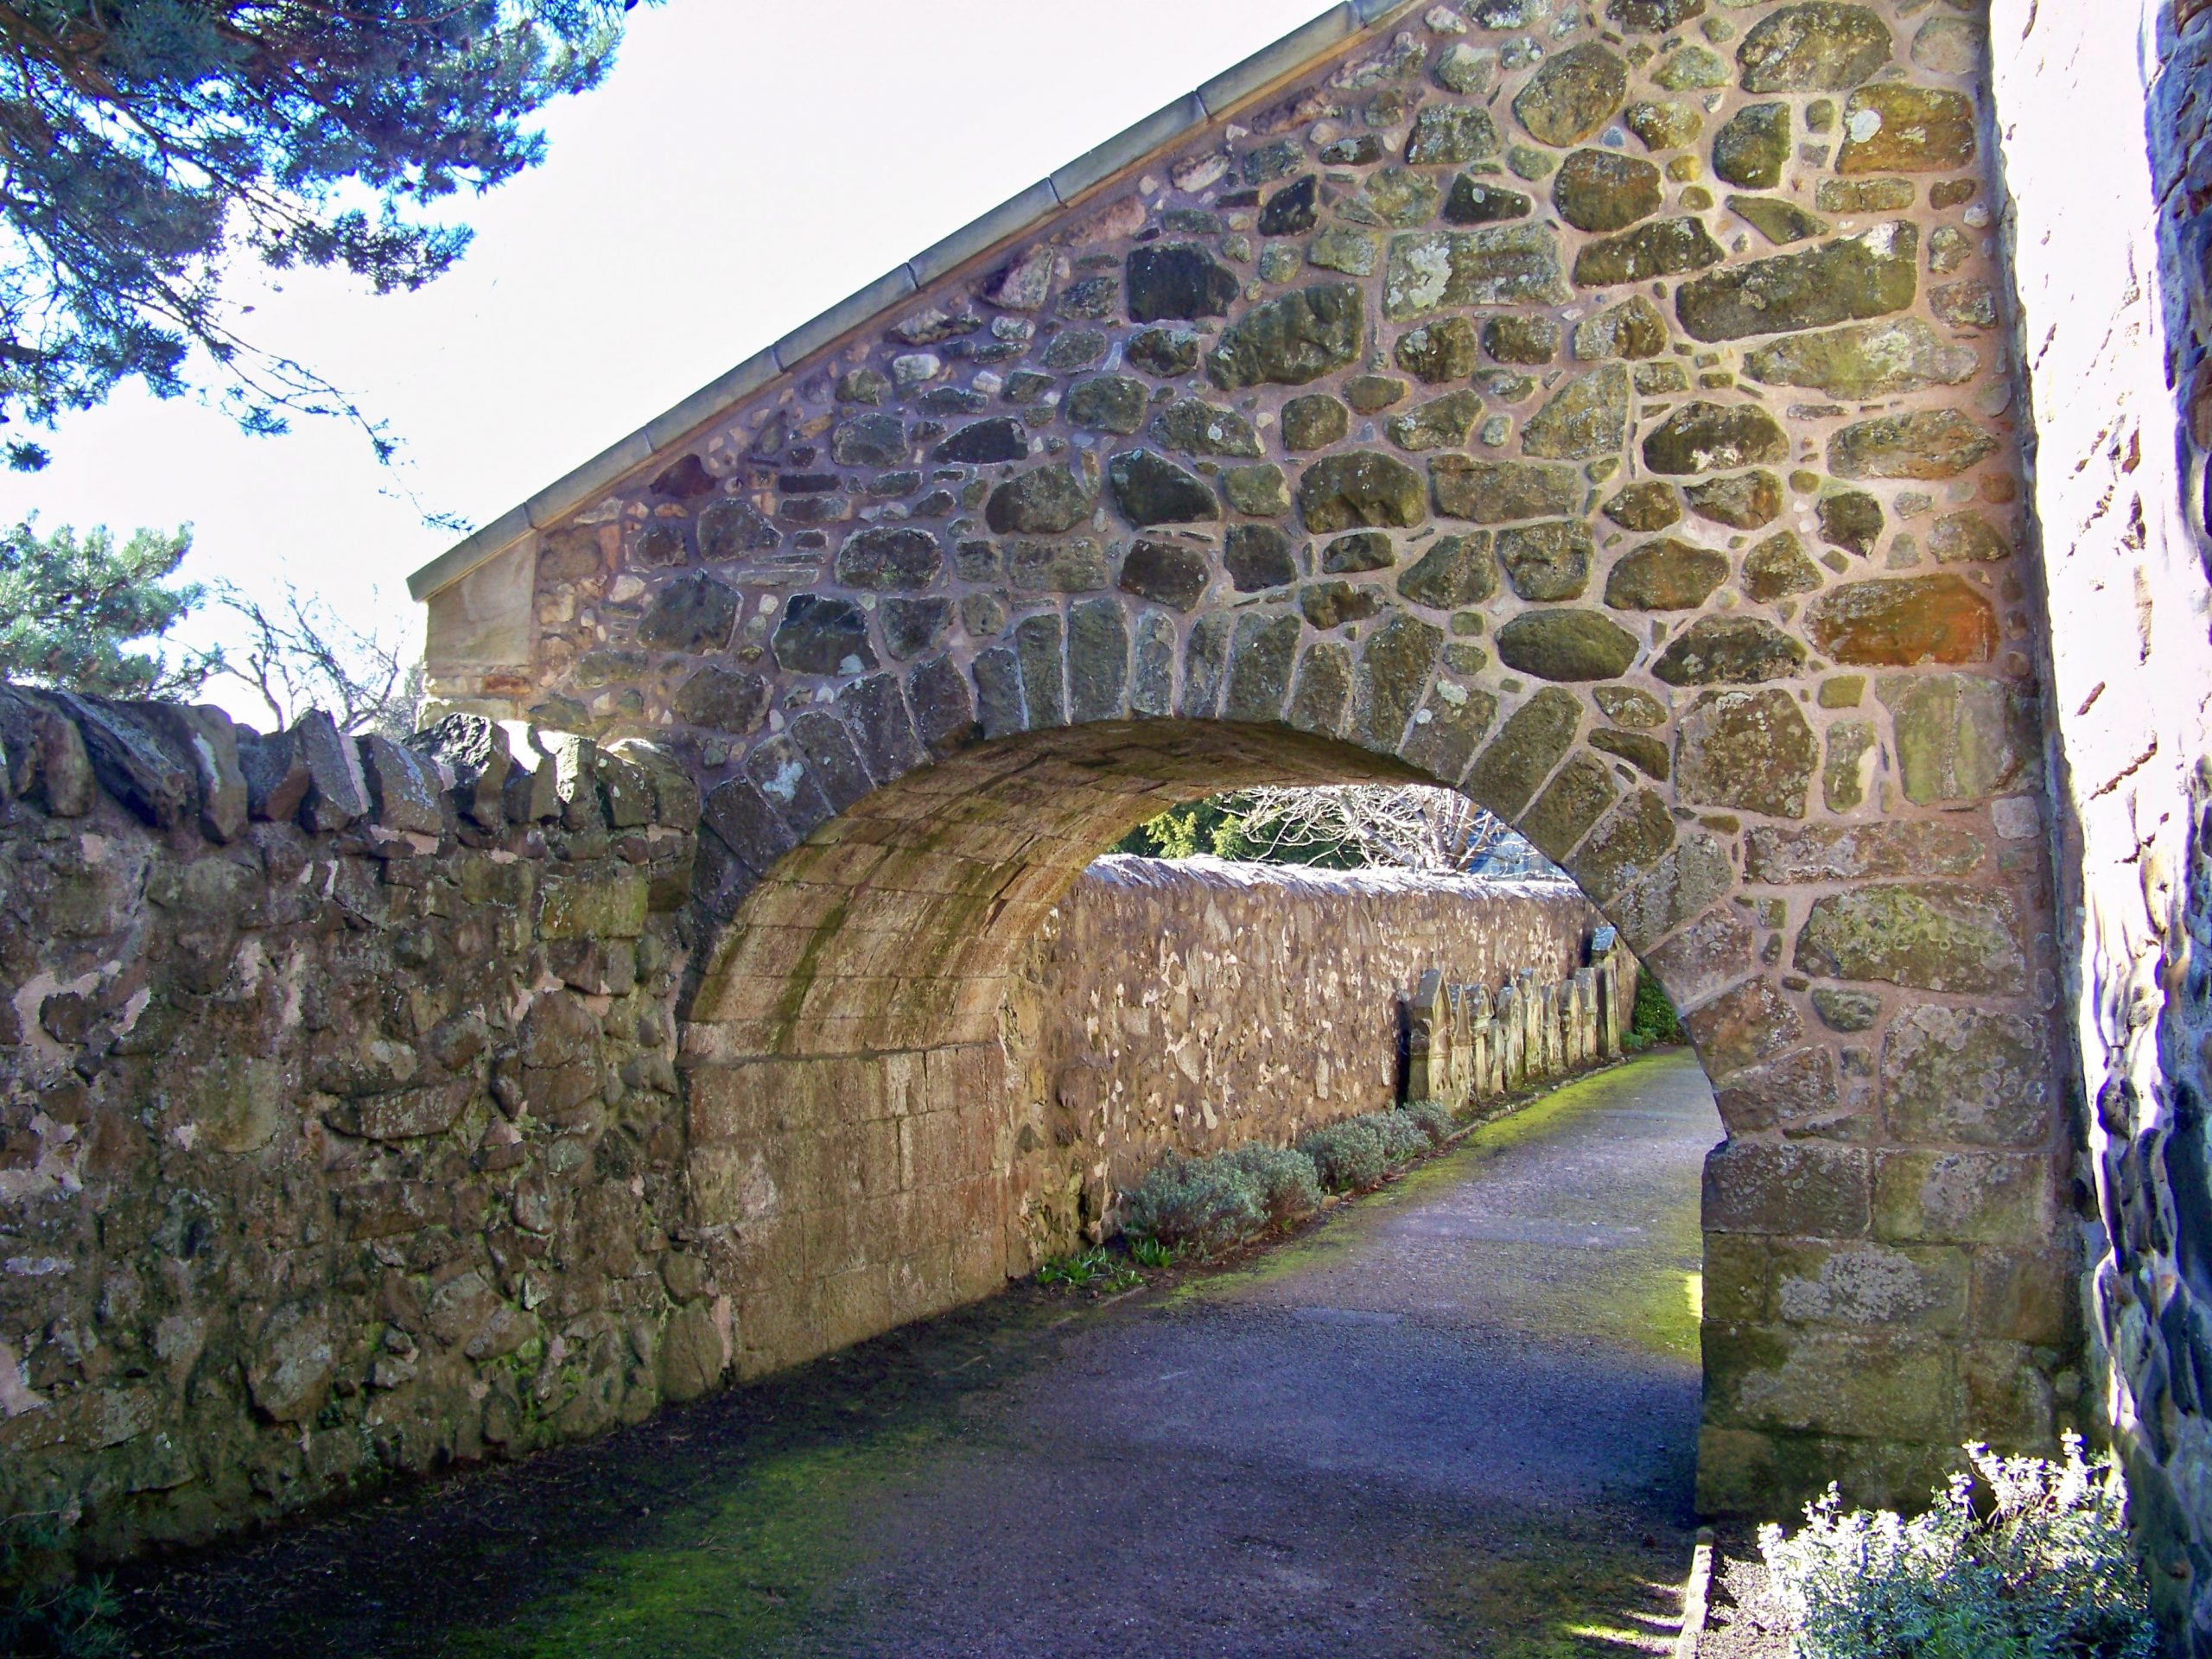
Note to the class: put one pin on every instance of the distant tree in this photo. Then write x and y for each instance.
(70, 610)
(147, 143)
(299, 654)
(1351, 826)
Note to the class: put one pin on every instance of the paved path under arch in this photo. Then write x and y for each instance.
(1458, 1417)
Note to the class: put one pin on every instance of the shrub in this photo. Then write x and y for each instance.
(1403, 1138)
(1653, 1020)
(1289, 1186)
(1350, 1155)
(1433, 1118)
(1204, 1202)
(2033, 1565)
(43, 1608)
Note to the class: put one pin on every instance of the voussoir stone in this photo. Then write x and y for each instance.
(1291, 339)
(1533, 740)
(1362, 488)
(1566, 643)
(1853, 277)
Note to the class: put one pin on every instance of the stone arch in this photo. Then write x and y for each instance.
(1389, 400)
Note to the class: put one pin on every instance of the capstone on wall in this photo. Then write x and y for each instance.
(2109, 239)
(1603, 411)
(1193, 1007)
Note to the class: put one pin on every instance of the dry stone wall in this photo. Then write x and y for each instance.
(339, 1127)
(1193, 1007)
(1603, 410)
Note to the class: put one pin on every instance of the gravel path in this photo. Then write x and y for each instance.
(1456, 1417)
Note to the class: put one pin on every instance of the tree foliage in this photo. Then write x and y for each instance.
(71, 609)
(146, 143)
(1341, 827)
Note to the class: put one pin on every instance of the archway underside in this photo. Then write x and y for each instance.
(894, 925)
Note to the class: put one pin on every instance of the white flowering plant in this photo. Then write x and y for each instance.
(2017, 1558)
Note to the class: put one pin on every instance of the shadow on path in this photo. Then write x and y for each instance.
(1458, 1416)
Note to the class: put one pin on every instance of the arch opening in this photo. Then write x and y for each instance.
(858, 1038)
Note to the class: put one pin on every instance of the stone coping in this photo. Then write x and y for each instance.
(1213, 102)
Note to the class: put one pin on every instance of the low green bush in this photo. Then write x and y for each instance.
(1433, 1118)
(1349, 1156)
(2020, 1558)
(1403, 1138)
(1205, 1203)
(1652, 1021)
(1289, 1186)
(45, 1608)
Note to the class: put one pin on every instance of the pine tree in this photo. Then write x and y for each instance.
(69, 610)
(146, 144)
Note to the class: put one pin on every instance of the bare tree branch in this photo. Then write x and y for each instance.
(1414, 827)
(300, 654)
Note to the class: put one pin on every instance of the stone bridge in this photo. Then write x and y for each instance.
(1616, 419)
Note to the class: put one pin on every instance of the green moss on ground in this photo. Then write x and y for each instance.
(748, 1575)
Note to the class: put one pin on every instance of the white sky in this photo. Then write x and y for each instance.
(745, 166)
